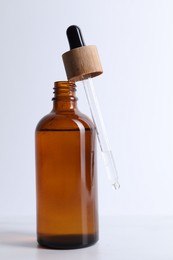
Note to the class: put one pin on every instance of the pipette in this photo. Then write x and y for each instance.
(81, 64)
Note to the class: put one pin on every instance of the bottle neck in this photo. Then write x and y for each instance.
(64, 100)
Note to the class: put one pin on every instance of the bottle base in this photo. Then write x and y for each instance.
(67, 241)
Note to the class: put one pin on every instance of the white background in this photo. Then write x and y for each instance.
(135, 42)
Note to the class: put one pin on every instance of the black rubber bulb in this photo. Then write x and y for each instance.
(75, 37)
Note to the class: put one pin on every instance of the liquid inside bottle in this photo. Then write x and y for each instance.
(66, 176)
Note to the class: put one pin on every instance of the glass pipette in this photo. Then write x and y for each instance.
(81, 64)
(101, 132)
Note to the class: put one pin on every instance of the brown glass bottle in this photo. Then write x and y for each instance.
(66, 178)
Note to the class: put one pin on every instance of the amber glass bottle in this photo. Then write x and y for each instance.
(66, 178)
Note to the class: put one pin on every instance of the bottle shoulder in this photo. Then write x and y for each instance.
(54, 121)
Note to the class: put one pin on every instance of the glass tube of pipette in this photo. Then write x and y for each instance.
(101, 132)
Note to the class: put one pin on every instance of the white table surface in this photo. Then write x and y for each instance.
(121, 238)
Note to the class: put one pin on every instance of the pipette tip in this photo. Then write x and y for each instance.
(116, 186)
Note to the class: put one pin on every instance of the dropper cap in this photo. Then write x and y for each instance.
(81, 62)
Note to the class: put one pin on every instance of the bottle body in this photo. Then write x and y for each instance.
(66, 180)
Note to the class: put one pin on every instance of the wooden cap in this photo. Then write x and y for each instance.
(82, 63)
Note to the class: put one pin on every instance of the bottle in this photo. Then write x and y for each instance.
(66, 179)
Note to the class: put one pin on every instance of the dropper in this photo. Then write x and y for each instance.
(82, 63)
